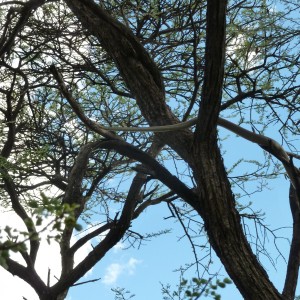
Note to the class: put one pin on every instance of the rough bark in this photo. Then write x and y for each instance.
(217, 205)
(137, 68)
(292, 273)
(215, 201)
(222, 222)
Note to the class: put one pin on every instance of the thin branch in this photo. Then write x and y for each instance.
(25, 13)
(85, 282)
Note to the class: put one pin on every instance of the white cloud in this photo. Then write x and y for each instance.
(249, 58)
(115, 270)
(131, 265)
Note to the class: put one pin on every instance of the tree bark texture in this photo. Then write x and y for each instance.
(215, 202)
(213, 199)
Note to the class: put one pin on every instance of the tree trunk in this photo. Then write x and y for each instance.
(222, 223)
(216, 203)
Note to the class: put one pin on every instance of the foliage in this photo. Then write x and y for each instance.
(195, 289)
(72, 70)
(122, 294)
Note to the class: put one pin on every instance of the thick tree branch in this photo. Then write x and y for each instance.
(292, 273)
(268, 145)
(213, 70)
(29, 275)
(216, 202)
(136, 67)
(74, 195)
(120, 226)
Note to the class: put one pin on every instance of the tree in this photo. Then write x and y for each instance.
(78, 67)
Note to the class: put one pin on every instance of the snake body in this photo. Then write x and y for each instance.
(162, 128)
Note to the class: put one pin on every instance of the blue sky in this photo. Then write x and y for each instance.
(156, 260)
(141, 270)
